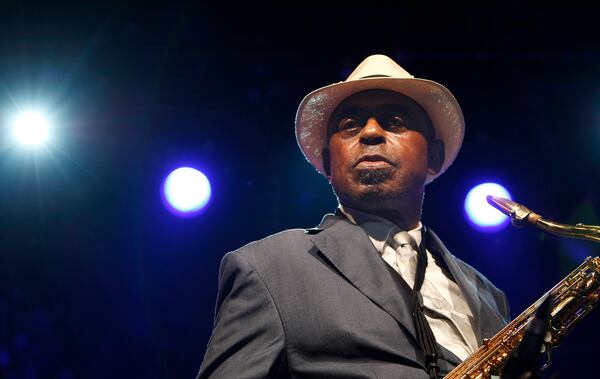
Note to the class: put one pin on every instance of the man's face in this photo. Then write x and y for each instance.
(379, 148)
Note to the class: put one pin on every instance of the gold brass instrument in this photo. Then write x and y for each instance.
(573, 298)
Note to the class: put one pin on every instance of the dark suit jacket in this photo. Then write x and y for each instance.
(322, 303)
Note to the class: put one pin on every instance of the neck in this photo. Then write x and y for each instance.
(401, 219)
(404, 212)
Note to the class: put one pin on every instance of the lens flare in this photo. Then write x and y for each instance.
(31, 128)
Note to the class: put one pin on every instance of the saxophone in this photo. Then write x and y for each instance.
(572, 299)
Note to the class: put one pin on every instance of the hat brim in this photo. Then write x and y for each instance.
(441, 106)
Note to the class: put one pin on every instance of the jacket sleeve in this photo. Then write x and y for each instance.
(248, 338)
(504, 306)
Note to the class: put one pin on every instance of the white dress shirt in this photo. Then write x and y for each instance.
(447, 312)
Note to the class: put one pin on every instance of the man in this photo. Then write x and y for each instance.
(370, 292)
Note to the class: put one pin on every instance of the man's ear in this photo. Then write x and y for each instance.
(436, 156)
(326, 161)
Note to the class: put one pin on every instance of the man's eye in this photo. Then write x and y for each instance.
(397, 122)
(347, 124)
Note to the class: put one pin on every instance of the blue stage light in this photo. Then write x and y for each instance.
(480, 213)
(186, 192)
(31, 128)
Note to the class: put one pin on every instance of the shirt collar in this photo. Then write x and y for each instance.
(376, 227)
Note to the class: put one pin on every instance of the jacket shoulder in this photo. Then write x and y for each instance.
(281, 245)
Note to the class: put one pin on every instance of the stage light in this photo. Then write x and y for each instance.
(186, 192)
(31, 128)
(480, 213)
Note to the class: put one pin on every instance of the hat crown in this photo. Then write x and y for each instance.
(378, 65)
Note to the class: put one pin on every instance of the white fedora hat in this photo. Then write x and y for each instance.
(379, 72)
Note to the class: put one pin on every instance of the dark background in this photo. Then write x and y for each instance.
(98, 280)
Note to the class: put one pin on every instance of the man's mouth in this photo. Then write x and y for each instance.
(373, 161)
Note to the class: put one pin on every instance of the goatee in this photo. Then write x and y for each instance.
(373, 176)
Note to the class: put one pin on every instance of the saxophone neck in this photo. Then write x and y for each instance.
(520, 215)
(581, 231)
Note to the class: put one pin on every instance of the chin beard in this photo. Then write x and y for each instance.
(374, 195)
(373, 176)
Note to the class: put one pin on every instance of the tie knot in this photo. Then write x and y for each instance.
(403, 238)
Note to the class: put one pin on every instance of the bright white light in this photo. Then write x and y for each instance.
(480, 213)
(186, 191)
(31, 128)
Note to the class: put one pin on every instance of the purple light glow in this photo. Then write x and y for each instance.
(186, 192)
(480, 214)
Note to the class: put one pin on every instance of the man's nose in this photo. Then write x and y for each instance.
(372, 133)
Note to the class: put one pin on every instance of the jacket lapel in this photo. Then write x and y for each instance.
(348, 248)
(466, 281)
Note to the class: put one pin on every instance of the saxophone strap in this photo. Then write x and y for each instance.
(425, 337)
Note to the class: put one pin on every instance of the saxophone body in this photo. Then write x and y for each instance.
(572, 299)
